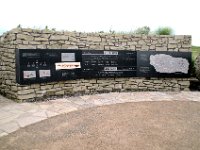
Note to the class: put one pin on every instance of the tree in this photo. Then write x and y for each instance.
(142, 30)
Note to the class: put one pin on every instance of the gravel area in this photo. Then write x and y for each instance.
(168, 125)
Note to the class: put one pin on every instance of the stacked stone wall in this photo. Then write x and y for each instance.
(45, 39)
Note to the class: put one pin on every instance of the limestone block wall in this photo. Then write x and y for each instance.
(44, 39)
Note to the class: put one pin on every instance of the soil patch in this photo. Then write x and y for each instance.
(170, 125)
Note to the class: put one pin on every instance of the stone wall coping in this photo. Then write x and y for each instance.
(45, 31)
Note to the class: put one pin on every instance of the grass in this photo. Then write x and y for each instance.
(195, 52)
(164, 31)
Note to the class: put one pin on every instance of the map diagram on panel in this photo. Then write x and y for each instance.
(163, 64)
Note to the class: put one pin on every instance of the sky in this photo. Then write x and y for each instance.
(102, 15)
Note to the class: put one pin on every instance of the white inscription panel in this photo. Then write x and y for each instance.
(68, 65)
(110, 68)
(110, 53)
(44, 73)
(68, 57)
(29, 74)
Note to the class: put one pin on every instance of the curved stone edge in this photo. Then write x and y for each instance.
(17, 115)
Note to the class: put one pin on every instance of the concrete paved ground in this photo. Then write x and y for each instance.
(163, 125)
(14, 116)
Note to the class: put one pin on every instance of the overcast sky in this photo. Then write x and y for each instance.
(102, 15)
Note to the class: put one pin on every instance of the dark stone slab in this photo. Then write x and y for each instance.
(48, 65)
(37, 66)
(98, 63)
(163, 64)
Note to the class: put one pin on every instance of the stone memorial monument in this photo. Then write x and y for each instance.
(117, 63)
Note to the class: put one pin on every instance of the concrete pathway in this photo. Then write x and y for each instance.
(14, 116)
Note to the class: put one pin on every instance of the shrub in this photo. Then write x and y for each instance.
(164, 31)
(143, 30)
(197, 67)
(19, 26)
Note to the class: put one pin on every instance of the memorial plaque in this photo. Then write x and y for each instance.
(29, 74)
(163, 64)
(68, 57)
(99, 63)
(44, 73)
(37, 66)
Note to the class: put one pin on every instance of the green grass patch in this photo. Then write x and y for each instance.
(195, 52)
(164, 31)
